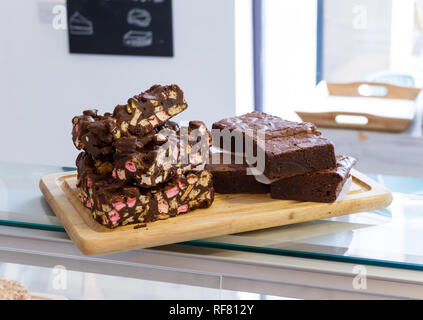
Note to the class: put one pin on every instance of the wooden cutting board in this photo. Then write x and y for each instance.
(229, 214)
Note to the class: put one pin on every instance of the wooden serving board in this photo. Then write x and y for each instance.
(374, 123)
(229, 214)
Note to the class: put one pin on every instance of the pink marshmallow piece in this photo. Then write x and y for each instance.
(171, 192)
(182, 185)
(130, 166)
(114, 173)
(119, 205)
(114, 216)
(131, 202)
(183, 209)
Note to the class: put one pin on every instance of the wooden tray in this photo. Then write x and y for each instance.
(374, 123)
(343, 100)
(229, 214)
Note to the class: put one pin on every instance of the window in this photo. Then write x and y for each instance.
(305, 42)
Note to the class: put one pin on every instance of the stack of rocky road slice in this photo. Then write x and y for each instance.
(135, 166)
(297, 162)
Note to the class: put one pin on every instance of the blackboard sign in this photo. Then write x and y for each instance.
(125, 27)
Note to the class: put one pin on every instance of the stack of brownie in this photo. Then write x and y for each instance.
(299, 164)
(130, 170)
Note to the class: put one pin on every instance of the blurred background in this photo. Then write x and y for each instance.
(61, 57)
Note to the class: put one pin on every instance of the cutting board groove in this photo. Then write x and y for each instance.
(229, 214)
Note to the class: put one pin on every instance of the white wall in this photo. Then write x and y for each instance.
(244, 56)
(290, 38)
(42, 86)
(356, 39)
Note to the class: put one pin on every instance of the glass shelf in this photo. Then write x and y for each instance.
(390, 237)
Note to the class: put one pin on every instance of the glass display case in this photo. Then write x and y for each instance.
(385, 238)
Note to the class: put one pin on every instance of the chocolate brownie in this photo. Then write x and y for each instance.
(320, 186)
(233, 178)
(150, 109)
(161, 159)
(113, 204)
(290, 148)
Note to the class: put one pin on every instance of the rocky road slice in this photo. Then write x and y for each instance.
(95, 133)
(150, 109)
(167, 155)
(114, 205)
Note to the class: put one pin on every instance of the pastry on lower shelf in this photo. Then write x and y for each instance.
(113, 204)
(13, 290)
(290, 148)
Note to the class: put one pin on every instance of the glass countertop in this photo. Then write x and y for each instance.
(390, 237)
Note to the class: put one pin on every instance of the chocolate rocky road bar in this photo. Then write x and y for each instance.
(290, 148)
(114, 205)
(150, 109)
(162, 158)
(142, 117)
(97, 134)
